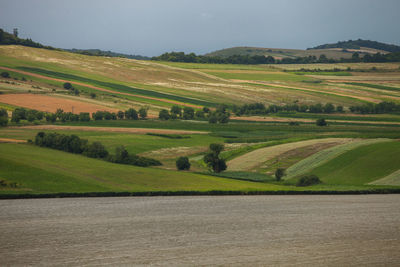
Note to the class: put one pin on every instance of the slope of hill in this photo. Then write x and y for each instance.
(359, 44)
(279, 53)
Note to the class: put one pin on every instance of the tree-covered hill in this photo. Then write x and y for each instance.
(357, 44)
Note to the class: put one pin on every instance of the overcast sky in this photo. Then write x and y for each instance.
(152, 27)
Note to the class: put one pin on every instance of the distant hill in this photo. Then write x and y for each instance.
(10, 39)
(279, 53)
(359, 44)
(335, 51)
(98, 52)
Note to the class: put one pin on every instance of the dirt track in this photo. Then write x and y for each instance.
(98, 88)
(337, 230)
(109, 129)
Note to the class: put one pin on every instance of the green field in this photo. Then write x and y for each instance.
(361, 165)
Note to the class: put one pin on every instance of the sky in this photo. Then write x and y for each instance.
(153, 27)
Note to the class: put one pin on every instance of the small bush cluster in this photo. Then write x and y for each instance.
(308, 180)
(68, 86)
(76, 145)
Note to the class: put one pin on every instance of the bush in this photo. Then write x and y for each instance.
(92, 95)
(294, 123)
(308, 180)
(95, 150)
(5, 74)
(321, 122)
(182, 163)
(67, 86)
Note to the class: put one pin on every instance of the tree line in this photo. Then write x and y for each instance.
(259, 59)
(74, 144)
(220, 115)
(261, 109)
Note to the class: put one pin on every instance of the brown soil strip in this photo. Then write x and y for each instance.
(51, 103)
(99, 88)
(108, 129)
(10, 140)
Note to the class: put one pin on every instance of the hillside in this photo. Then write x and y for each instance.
(359, 45)
(279, 53)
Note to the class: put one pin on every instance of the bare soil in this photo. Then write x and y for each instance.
(51, 103)
(336, 230)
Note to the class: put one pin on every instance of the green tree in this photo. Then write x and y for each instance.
(279, 173)
(176, 112)
(143, 113)
(3, 117)
(120, 115)
(213, 160)
(131, 114)
(163, 114)
(182, 163)
(188, 113)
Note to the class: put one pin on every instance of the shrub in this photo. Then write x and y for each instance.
(182, 163)
(308, 180)
(176, 111)
(67, 86)
(92, 95)
(321, 122)
(95, 150)
(5, 74)
(294, 123)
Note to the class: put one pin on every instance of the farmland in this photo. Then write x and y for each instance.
(255, 145)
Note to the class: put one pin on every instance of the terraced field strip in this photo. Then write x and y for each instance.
(326, 155)
(391, 179)
(51, 103)
(255, 158)
(99, 88)
(368, 99)
(109, 129)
